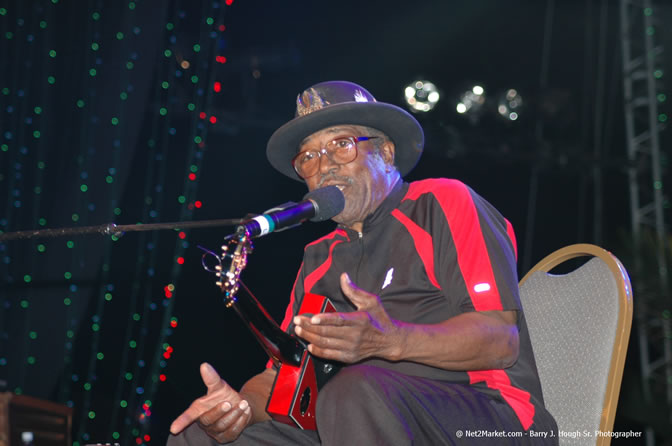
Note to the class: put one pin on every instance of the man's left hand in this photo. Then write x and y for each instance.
(351, 337)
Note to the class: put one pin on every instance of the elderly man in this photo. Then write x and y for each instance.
(428, 324)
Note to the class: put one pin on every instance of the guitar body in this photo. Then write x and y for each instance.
(293, 398)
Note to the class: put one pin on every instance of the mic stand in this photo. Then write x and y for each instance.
(113, 229)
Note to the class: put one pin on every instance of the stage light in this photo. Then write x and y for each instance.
(509, 105)
(471, 101)
(421, 96)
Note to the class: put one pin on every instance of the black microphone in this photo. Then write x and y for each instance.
(318, 205)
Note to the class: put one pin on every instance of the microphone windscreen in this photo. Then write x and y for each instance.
(329, 202)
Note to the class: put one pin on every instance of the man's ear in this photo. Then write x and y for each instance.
(387, 153)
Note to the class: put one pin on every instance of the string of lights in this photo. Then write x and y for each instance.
(89, 408)
(76, 91)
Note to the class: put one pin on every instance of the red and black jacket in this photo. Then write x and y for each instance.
(432, 250)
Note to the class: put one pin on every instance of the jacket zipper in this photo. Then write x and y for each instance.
(360, 243)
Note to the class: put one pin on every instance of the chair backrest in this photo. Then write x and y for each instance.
(579, 325)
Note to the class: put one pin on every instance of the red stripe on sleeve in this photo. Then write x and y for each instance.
(320, 271)
(512, 236)
(330, 236)
(472, 254)
(423, 244)
(289, 312)
(518, 399)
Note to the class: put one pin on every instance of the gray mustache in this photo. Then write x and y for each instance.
(329, 177)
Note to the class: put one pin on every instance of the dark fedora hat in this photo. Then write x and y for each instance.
(341, 103)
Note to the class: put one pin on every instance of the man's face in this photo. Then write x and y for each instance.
(364, 181)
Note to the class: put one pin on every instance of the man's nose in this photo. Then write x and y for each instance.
(326, 164)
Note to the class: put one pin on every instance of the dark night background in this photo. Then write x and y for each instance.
(124, 152)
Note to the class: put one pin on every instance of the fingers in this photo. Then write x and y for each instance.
(360, 298)
(317, 334)
(348, 287)
(344, 356)
(218, 419)
(336, 319)
(346, 337)
(220, 413)
(186, 418)
(224, 423)
(219, 393)
(211, 378)
(333, 342)
(336, 325)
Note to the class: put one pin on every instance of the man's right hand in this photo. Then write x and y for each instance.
(221, 412)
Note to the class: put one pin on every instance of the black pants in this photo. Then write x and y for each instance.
(367, 405)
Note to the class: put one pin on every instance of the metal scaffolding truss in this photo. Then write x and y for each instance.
(642, 73)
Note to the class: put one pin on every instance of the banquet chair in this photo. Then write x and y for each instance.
(579, 324)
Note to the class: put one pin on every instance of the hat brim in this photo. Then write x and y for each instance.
(402, 128)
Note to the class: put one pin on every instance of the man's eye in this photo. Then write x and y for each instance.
(343, 143)
(307, 156)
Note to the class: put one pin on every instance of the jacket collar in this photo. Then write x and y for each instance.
(390, 203)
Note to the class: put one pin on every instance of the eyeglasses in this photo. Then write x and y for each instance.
(339, 151)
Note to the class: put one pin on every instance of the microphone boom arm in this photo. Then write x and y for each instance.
(113, 229)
